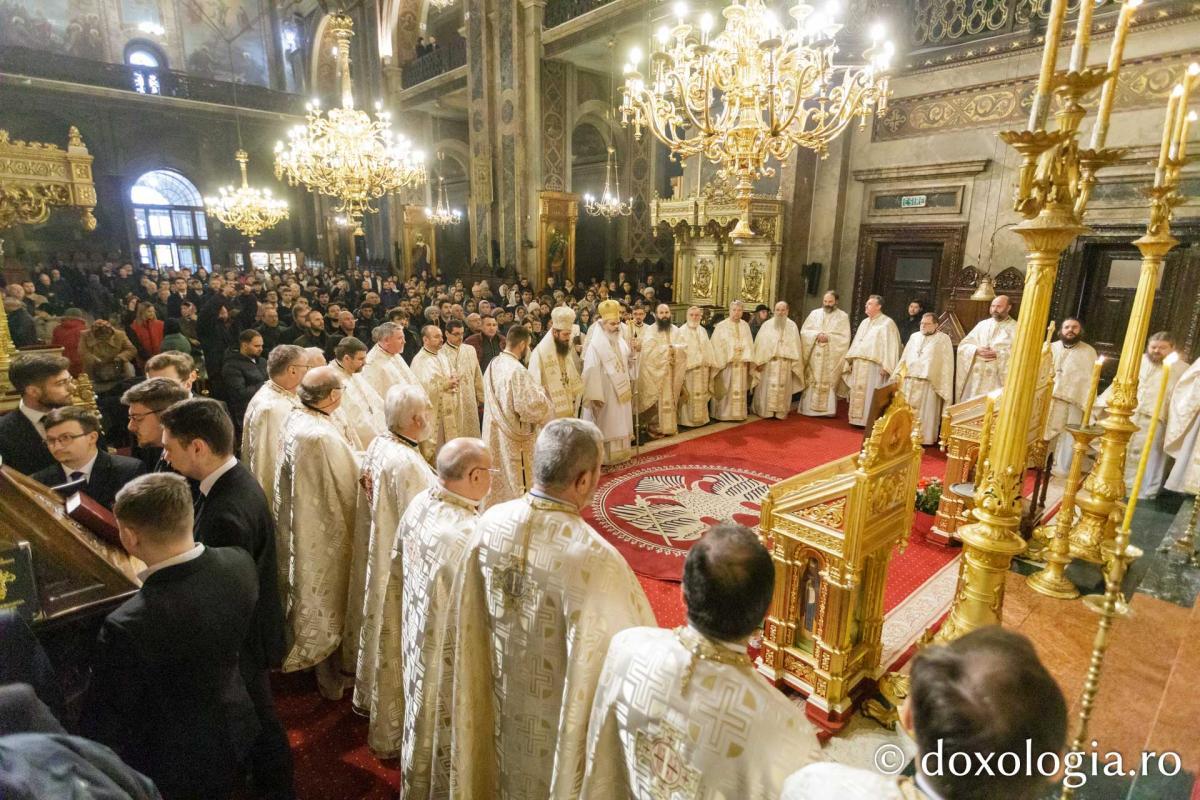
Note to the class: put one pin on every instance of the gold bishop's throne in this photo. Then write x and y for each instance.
(831, 532)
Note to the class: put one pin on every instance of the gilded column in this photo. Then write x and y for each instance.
(479, 131)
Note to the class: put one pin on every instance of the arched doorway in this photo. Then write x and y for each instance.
(454, 241)
(169, 221)
(595, 237)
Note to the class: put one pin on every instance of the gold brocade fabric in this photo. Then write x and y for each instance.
(679, 715)
(540, 596)
(464, 361)
(559, 376)
(263, 425)
(976, 376)
(823, 361)
(514, 409)
(383, 371)
(433, 370)
(733, 354)
(779, 353)
(1072, 382)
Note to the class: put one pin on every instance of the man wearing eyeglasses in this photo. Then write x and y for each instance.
(44, 383)
(72, 434)
(146, 400)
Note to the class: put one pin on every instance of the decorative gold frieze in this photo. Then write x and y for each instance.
(1142, 83)
(36, 177)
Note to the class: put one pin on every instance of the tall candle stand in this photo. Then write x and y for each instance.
(1053, 184)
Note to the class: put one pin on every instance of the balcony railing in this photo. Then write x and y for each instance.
(145, 80)
(445, 58)
(560, 11)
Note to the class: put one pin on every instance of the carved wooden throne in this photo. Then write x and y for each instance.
(831, 532)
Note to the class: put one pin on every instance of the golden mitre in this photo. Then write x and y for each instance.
(609, 309)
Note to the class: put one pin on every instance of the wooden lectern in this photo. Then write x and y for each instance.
(831, 532)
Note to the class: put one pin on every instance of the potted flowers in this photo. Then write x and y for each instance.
(929, 492)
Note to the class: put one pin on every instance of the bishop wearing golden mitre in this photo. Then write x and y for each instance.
(607, 384)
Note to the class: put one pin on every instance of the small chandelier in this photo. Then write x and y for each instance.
(759, 88)
(246, 208)
(442, 215)
(346, 153)
(610, 206)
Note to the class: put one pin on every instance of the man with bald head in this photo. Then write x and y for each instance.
(417, 634)
(733, 350)
(440, 381)
(699, 364)
(660, 375)
(779, 364)
(393, 473)
(316, 500)
(983, 353)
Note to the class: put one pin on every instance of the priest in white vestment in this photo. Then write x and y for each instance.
(928, 363)
(361, 405)
(660, 375)
(316, 497)
(1183, 433)
(268, 410)
(984, 719)
(825, 336)
(315, 358)
(1073, 361)
(690, 697)
(1159, 346)
(464, 361)
(779, 364)
(393, 473)
(700, 368)
(515, 407)
(870, 360)
(440, 382)
(385, 366)
(983, 353)
(607, 385)
(540, 596)
(411, 712)
(733, 352)
(552, 365)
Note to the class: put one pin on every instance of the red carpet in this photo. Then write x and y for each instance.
(329, 739)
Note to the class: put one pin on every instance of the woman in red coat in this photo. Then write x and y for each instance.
(148, 332)
(66, 335)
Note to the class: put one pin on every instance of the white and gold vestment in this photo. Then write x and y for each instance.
(464, 361)
(384, 370)
(1149, 379)
(559, 376)
(875, 349)
(976, 375)
(700, 369)
(514, 409)
(780, 357)
(434, 372)
(608, 393)
(540, 596)
(1183, 433)
(733, 352)
(316, 496)
(660, 379)
(827, 780)
(1072, 383)
(928, 363)
(393, 473)
(361, 406)
(266, 414)
(678, 714)
(823, 361)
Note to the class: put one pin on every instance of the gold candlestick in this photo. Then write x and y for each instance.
(1115, 53)
(1114, 576)
(1164, 149)
(1052, 580)
(1083, 36)
(1040, 109)
(1091, 398)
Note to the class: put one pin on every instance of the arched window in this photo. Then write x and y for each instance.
(141, 57)
(168, 214)
(144, 63)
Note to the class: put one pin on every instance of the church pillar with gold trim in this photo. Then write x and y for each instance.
(479, 127)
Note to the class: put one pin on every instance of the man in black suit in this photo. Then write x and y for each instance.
(145, 401)
(243, 372)
(166, 692)
(232, 511)
(44, 383)
(73, 434)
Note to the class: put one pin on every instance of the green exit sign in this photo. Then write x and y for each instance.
(912, 201)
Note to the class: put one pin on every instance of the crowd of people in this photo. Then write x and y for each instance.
(390, 498)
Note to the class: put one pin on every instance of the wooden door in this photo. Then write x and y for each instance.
(1110, 278)
(905, 272)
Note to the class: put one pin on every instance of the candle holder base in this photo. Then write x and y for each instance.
(1095, 602)
(1050, 585)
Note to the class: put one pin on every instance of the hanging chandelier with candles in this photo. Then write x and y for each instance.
(758, 89)
(346, 153)
(609, 205)
(442, 215)
(248, 209)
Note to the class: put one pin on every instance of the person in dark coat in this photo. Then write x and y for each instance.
(44, 383)
(232, 511)
(242, 373)
(73, 436)
(21, 326)
(145, 401)
(167, 694)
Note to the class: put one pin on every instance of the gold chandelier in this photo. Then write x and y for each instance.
(346, 153)
(759, 88)
(246, 208)
(442, 215)
(609, 205)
